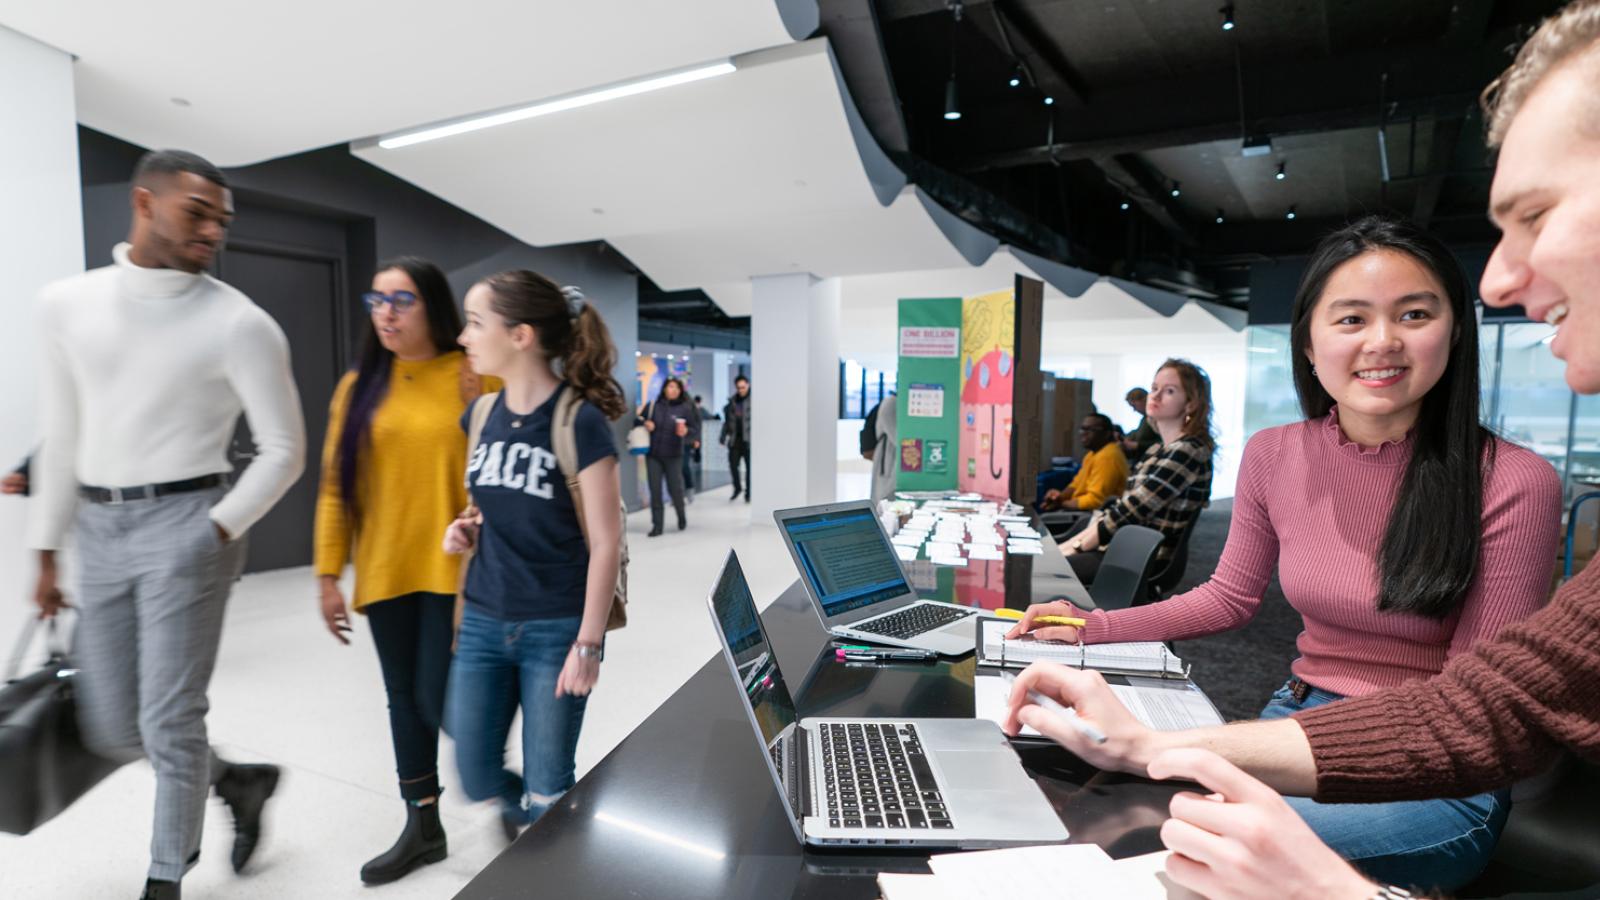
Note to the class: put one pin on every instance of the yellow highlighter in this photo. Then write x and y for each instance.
(1016, 614)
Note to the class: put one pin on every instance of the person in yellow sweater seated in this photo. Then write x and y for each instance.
(392, 481)
(1103, 475)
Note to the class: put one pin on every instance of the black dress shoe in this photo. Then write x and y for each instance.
(421, 842)
(735, 494)
(654, 532)
(162, 890)
(245, 789)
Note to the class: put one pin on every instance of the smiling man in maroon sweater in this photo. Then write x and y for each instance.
(1493, 716)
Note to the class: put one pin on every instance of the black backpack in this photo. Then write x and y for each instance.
(869, 430)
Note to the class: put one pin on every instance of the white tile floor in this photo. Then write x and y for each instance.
(284, 692)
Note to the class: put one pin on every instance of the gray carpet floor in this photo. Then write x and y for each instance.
(1238, 670)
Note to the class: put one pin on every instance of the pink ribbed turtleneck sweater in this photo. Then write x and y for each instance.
(1315, 505)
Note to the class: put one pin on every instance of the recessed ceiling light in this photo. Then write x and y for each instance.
(1049, 101)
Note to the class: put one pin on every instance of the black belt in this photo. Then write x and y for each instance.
(149, 491)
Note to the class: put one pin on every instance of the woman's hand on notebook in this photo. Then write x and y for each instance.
(1129, 745)
(1066, 633)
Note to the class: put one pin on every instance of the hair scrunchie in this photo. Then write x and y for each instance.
(575, 299)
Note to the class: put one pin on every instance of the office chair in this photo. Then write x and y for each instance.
(1122, 579)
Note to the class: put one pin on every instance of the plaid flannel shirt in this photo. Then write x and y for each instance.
(1167, 490)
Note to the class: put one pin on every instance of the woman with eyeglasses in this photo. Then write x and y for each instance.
(391, 482)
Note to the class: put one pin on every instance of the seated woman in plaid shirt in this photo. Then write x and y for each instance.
(1172, 481)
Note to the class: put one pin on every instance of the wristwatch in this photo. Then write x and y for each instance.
(1390, 892)
(598, 651)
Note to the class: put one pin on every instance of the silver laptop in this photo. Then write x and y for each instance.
(856, 583)
(876, 782)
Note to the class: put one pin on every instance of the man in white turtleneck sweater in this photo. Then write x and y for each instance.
(149, 363)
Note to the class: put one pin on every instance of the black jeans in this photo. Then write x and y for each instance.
(1085, 564)
(672, 468)
(413, 634)
(738, 453)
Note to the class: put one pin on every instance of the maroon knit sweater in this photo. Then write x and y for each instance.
(1493, 716)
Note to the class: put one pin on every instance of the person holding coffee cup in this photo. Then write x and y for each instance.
(674, 426)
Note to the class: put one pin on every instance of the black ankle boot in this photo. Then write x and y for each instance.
(161, 890)
(655, 531)
(245, 789)
(682, 522)
(422, 842)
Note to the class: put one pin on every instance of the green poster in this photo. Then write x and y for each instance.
(929, 394)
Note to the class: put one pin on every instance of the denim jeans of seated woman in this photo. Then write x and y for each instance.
(500, 666)
(1435, 845)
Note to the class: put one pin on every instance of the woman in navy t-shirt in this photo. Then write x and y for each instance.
(536, 598)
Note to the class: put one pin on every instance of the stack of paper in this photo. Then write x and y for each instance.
(1162, 704)
(1063, 871)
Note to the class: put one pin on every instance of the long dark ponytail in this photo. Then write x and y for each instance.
(376, 362)
(1430, 547)
(570, 331)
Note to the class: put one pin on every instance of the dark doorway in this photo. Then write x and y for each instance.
(294, 266)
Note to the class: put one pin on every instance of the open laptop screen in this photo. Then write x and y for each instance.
(759, 677)
(846, 559)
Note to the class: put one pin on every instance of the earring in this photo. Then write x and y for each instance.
(1313, 370)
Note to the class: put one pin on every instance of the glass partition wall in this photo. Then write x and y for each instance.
(1525, 398)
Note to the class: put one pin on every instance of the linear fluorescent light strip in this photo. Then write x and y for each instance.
(559, 104)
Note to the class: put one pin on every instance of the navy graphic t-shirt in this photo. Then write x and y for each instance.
(531, 561)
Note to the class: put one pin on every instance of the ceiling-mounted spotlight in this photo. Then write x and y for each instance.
(1175, 189)
(1016, 76)
(1281, 173)
(952, 107)
(1049, 100)
(1219, 217)
(1290, 214)
(1227, 17)
(1126, 205)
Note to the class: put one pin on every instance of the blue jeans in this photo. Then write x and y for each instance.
(500, 666)
(1432, 845)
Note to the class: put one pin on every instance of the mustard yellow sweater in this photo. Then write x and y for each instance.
(410, 484)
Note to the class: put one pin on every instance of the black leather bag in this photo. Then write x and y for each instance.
(44, 765)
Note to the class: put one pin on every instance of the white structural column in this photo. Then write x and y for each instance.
(794, 389)
(41, 239)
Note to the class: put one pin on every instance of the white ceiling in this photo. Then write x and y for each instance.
(267, 80)
(767, 170)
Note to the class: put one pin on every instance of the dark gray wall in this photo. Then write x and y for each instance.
(385, 217)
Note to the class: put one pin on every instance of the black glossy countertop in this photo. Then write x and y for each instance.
(684, 807)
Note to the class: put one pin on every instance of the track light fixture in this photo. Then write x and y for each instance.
(1176, 189)
(1281, 173)
(1049, 100)
(1016, 76)
(1126, 205)
(1290, 215)
(1219, 217)
(952, 104)
(1227, 17)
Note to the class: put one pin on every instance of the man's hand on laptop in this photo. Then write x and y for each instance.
(1129, 745)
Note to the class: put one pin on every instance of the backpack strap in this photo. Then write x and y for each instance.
(481, 407)
(564, 441)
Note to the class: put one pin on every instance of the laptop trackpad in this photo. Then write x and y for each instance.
(978, 770)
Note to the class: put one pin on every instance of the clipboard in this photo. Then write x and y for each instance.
(1171, 667)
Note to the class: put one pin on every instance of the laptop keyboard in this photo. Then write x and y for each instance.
(878, 777)
(913, 620)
